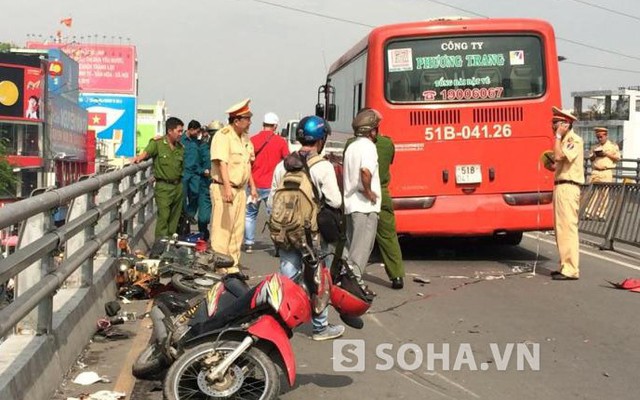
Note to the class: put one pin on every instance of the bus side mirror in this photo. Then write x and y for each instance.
(331, 112)
(320, 110)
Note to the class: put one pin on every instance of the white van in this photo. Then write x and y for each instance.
(334, 147)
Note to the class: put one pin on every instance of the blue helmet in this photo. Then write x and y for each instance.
(311, 129)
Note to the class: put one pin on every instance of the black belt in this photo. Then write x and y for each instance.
(232, 185)
(563, 181)
(169, 181)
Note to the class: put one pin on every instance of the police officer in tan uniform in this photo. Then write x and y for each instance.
(231, 156)
(604, 157)
(569, 176)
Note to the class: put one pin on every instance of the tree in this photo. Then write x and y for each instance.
(4, 47)
(8, 178)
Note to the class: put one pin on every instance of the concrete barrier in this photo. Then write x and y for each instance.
(32, 367)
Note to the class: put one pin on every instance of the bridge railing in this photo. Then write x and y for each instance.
(99, 206)
(626, 170)
(611, 211)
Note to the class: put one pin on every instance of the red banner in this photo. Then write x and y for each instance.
(104, 68)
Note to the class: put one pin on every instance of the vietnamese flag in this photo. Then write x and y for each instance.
(66, 22)
(97, 119)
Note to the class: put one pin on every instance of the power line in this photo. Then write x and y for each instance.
(314, 14)
(442, 3)
(601, 67)
(607, 9)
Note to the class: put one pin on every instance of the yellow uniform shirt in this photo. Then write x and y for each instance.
(601, 163)
(571, 168)
(236, 151)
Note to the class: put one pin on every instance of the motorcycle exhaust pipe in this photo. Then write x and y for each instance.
(354, 322)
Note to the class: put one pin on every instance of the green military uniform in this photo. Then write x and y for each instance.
(386, 235)
(191, 175)
(204, 197)
(167, 169)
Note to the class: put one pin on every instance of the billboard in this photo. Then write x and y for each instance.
(21, 89)
(66, 128)
(65, 82)
(104, 68)
(113, 118)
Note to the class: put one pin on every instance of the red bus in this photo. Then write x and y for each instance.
(467, 103)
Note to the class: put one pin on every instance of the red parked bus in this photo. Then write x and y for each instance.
(467, 103)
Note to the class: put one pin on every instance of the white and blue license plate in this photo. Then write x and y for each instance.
(468, 174)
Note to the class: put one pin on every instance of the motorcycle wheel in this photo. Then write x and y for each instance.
(252, 376)
(192, 284)
(149, 364)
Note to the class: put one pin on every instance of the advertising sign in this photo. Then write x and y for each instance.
(21, 92)
(67, 128)
(104, 68)
(63, 75)
(113, 118)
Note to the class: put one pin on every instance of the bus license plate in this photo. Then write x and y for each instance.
(468, 174)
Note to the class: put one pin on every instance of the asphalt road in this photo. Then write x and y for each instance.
(477, 303)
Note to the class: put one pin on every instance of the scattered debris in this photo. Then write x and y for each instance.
(420, 294)
(473, 331)
(630, 284)
(107, 395)
(89, 378)
(605, 374)
(494, 277)
(420, 279)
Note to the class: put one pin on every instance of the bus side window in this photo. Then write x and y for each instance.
(521, 80)
(399, 87)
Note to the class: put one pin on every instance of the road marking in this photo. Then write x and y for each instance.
(592, 254)
(423, 385)
(449, 381)
(126, 381)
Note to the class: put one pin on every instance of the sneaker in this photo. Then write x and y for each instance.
(248, 248)
(329, 332)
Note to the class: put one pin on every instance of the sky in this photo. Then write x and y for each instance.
(202, 56)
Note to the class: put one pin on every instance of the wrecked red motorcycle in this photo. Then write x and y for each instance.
(233, 341)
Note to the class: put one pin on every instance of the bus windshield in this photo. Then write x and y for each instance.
(464, 69)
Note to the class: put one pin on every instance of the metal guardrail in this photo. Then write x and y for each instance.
(611, 211)
(626, 170)
(98, 205)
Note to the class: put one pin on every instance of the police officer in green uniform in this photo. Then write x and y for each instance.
(168, 159)
(204, 199)
(192, 172)
(386, 235)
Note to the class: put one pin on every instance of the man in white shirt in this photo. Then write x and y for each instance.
(362, 190)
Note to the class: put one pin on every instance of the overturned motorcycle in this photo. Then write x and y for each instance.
(233, 341)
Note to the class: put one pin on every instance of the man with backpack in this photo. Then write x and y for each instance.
(302, 182)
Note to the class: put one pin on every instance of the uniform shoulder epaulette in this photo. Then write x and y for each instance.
(224, 130)
(156, 138)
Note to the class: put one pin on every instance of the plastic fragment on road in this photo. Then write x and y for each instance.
(630, 284)
(89, 378)
(107, 395)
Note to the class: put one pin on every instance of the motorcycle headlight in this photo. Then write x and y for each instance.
(123, 267)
